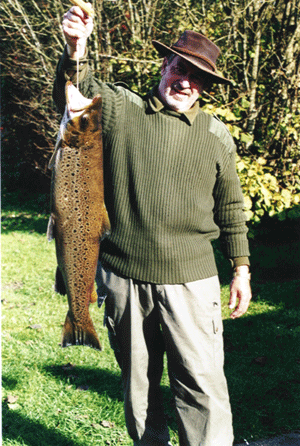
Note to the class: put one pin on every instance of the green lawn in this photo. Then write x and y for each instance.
(53, 396)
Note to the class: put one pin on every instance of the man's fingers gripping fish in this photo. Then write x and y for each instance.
(78, 218)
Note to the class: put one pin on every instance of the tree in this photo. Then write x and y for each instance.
(29, 50)
(261, 46)
(260, 52)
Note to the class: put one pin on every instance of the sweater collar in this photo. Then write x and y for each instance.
(157, 106)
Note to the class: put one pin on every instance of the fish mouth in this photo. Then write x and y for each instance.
(75, 101)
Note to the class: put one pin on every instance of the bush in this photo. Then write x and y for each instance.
(261, 108)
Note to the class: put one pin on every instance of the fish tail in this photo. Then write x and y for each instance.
(75, 335)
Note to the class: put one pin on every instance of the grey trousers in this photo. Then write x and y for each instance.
(144, 321)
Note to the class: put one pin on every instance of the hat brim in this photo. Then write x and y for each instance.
(164, 50)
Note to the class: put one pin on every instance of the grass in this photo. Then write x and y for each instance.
(73, 397)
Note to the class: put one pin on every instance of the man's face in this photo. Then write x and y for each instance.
(181, 84)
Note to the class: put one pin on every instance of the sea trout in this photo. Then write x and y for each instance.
(78, 217)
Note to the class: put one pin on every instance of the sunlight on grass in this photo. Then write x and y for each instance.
(74, 396)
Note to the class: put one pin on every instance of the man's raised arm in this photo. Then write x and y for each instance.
(77, 28)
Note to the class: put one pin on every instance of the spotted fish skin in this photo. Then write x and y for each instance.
(78, 218)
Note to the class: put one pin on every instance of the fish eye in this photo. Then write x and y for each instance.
(84, 120)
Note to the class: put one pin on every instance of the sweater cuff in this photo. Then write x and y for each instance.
(239, 261)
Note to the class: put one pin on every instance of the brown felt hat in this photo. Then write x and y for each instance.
(198, 50)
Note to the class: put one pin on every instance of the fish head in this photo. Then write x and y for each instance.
(81, 114)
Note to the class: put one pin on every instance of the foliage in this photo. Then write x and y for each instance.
(262, 56)
(263, 194)
(260, 52)
(270, 188)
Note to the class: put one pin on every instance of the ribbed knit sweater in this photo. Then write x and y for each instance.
(171, 185)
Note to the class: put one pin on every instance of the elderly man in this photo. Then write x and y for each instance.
(171, 188)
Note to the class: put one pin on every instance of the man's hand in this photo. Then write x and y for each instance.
(240, 291)
(77, 27)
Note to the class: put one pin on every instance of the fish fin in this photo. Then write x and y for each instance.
(59, 139)
(52, 160)
(74, 335)
(51, 229)
(51, 163)
(94, 296)
(105, 228)
(59, 286)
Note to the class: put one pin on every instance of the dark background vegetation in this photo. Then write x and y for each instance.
(260, 44)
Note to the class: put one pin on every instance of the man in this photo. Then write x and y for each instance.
(171, 188)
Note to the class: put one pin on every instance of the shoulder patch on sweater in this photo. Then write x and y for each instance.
(133, 97)
(219, 129)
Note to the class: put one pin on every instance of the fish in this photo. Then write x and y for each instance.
(78, 217)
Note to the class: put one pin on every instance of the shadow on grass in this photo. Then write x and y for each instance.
(282, 294)
(9, 383)
(262, 360)
(105, 382)
(274, 255)
(275, 250)
(25, 211)
(30, 432)
(98, 380)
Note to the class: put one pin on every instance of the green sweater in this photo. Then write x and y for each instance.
(171, 185)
